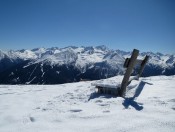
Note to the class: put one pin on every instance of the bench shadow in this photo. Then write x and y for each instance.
(132, 100)
(97, 95)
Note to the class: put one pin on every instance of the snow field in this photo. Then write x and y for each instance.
(77, 107)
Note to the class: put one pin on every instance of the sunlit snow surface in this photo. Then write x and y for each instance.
(76, 107)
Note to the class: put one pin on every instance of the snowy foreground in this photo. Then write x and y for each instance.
(76, 107)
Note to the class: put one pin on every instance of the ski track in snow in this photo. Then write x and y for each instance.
(77, 107)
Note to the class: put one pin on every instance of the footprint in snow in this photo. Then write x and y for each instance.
(27, 119)
(7, 93)
(75, 110)
(38, 90)
(32, 119)
(37, 108)
(104, 104)
(98, 101)
(173, 108)
(44, 109)
(106, 111)
(171, 100)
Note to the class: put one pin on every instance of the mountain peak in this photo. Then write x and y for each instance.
(102, 47)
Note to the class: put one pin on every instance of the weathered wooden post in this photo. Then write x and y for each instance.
(143, 65)
(131, 64)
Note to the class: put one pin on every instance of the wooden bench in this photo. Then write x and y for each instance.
(130, 63)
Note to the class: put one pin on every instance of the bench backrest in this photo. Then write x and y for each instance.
(130, 63)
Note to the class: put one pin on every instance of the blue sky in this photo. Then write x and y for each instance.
(148, 25)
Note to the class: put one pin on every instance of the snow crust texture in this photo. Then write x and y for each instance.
(76, 107)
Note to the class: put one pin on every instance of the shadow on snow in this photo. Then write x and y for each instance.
(128, 101)
(132, 100)
(97, 95)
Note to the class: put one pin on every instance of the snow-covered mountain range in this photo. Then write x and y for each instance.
(61, 65)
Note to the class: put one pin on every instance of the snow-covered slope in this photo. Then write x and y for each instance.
(74, 63)
(77, 107)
